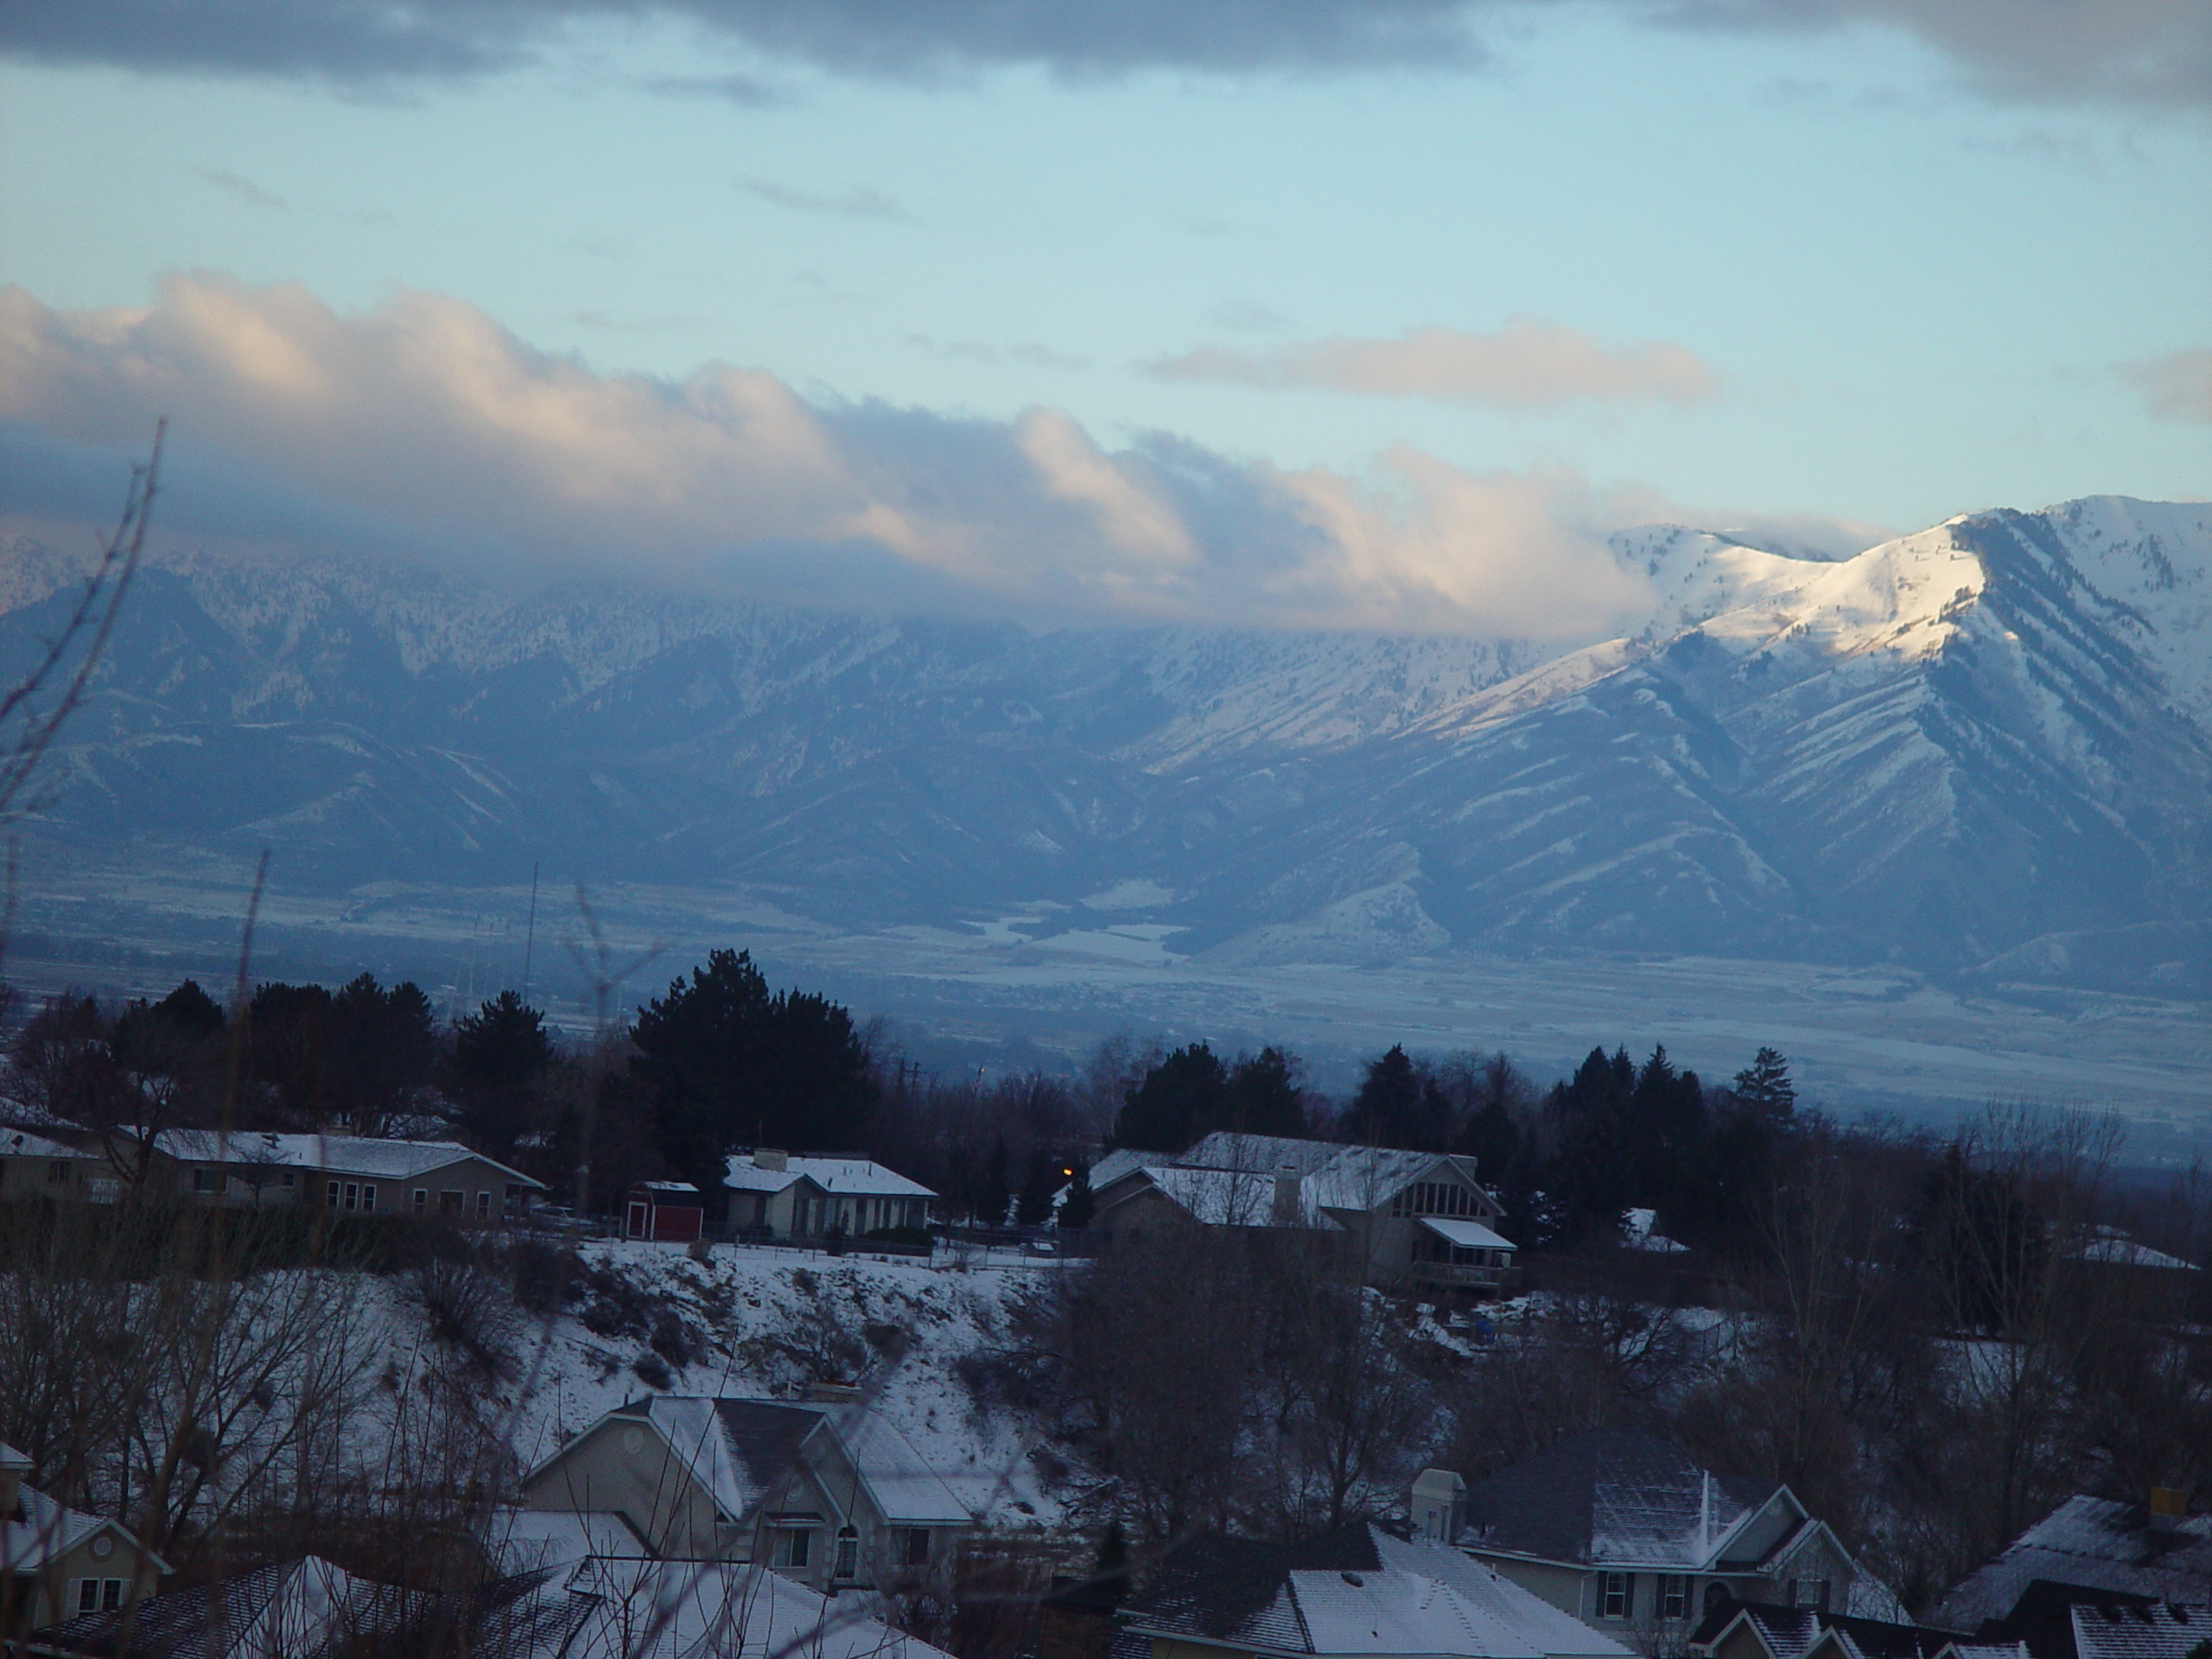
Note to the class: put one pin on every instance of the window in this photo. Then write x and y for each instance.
(288, 1178)
(98, 1595)
(792, 1546)
(207, 1180)
(1616, 1595)
(1674, 1595)
(849, 1552)
(449, 1203)
(368, 1196)
(1810, 1593)
(422, 1200)
(352, 1195)
(1434, 1198)
(330, 1195)
(915, 1548)
(483, 1206)
(57, 1173)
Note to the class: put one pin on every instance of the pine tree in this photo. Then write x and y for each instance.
(1764, 1086)
(995, 1190)
(1177, 1101)
(1262, 1097)
(1033, 1207)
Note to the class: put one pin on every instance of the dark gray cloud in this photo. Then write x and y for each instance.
(241, 188)
(2141, 52)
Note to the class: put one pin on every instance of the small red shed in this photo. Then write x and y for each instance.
(663, 1210)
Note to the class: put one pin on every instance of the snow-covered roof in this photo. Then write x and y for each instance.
(2110, 1244)
(1117, 1163)
(46, 1529)
(853, 1176)
(526, 1541)
(1219, 1198)
(21, 1143)
(687, 1610)
(2096, 1543)
(1260, 1154)
(1613, 1498)
(11, 1459)
(294, 1610)
(1358, 1590)
(739, 1450)
(1367, 1177)
(338, 1154)
(2156, 1631)
(1791, 1632)
(1467, 1234)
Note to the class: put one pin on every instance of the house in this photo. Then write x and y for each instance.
(1756, 1630)
(1622, 1529)
(56, 1561)
(348, 1172)
(1418, 1221)
(1360, 1591)
(828, 1494)
(2150, 1631)
(34, 1167)
(2087, 1550)
(669, 1210)
(792, 1195)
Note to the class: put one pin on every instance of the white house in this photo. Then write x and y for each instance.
(805, 1196)
(831, 1495)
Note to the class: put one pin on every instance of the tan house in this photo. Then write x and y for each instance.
(34, 1167)
(1420, 1221)
(799, 1195)
(348, 1172)
(56, 1562)
(1623, 1530)
(830, 1495)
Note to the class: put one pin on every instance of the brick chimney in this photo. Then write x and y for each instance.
(1438, 1506)
(770, 1158)
(1288, 1186)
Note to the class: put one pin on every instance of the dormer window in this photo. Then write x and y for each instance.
(1434, 1198)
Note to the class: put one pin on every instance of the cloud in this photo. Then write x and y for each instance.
(2155, 52)
(1527, 364)
(2177, 386)
(424, 425)
(748, 92)
(243, 190)
(858, 202)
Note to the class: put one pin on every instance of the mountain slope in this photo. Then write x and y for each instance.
(1942, 751)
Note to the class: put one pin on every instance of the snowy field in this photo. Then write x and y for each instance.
(1051, 981)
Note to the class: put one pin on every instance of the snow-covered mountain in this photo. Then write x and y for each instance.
(1990, 742)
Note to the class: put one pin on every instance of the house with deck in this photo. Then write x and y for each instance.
(1417, 1221)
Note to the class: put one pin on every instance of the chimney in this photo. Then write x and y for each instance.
(770, 1158)
(2169, 1508)
(834, 1394)
(1438, 1507)
(1285, 1212)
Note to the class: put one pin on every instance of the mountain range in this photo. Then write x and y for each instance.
(1982, 749)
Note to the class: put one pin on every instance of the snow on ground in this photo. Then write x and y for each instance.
(768, 1322)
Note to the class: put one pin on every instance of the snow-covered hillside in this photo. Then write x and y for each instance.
(1941, 750)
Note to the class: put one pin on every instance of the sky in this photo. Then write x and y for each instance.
(1377, 313)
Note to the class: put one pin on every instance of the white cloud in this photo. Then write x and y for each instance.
(1527, 364)
(426, 417)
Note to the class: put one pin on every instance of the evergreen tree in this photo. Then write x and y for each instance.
(1081, 1203)
(725, 1063)
(1589, 1181)
(995, 1187)
(1399, 1104)
(190, 1009)
(383, 1048)
(1033, 1207)
(1262, 1097)
(499, 1054)
(1764, 1086)
(1179, 1100)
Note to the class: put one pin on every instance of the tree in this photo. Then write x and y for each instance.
(1399, 1104)
(1764, 1086)
(1032, 1207)
(384, 1048)
(1264, 1097)
(1590, 1179)
(995, 1187)
(1181, 1098)
(500, 1054)
(725, 1063)
(1081, 1203)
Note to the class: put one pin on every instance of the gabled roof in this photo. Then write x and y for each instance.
(337, 1154)
(1259, 1154)
(2157, 1630)
(1613, 1498)
(738, 1451)
(690, 1609)
(11, 1459)
(1228, 1180)
(294, 1610)
(853, 1177)
(2092, 1543)
(21, 1143)
(528, 1541)
(1358, 1591)
(48, 1529)
(1791, 1632)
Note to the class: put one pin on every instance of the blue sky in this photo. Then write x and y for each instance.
(1725, 264)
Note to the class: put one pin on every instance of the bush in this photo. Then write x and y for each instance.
(915, 1236)
(652, 1371)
